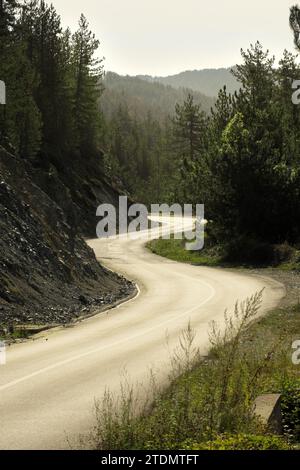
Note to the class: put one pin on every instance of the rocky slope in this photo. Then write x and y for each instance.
(47, 272)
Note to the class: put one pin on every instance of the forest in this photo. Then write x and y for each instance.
(238, 154)
(75, 136)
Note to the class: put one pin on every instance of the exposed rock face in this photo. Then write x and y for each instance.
(47, 272)
(78, 186)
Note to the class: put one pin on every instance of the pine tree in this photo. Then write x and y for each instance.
(295, 24)
(20, 126)
(49, 53)
(8, 10)
(189, 136)
(254, 170)
(88, 73)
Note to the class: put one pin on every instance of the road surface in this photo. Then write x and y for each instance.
(48, 386)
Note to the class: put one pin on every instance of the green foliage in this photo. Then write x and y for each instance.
(20, 121)
(251, 181)
(241, 251)
(53, 85)
(241, 442)
(207, 81)
(209, 403)
(175, 250)
(250, 252)
(295, 24)
(87, 74)
(241, 160)
(142, 96)
(137, 152)
(189, 134)
(291, 409)
(156, 157)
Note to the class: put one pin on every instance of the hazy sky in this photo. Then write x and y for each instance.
(162, 37)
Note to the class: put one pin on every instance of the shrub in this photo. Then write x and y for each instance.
(291, 410)
(283, 253)
(215, 398)
(241, 442)
(249, 251)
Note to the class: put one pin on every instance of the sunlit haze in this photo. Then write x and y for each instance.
(165, 37)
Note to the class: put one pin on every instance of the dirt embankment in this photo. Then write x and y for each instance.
(47, 272)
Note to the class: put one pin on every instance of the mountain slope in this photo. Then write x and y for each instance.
(142, 96)
(207, 81)
(47, 272)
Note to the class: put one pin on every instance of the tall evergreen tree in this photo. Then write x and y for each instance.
(295, 24)
(88, 73)
(254, 180)
(20, 123)
(189, 141)
(48, 51)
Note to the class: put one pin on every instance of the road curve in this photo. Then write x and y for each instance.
(48, 386)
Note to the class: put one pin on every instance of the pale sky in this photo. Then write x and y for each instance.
(164, 37)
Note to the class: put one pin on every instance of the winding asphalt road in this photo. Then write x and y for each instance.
(48, 386)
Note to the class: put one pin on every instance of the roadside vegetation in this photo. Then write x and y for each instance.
(242, 160)
(209, 404)
(271, 338)
(175, 250)
(240, 253)
(13, 333)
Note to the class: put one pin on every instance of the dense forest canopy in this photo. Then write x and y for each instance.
(241, 158)
(52, 81)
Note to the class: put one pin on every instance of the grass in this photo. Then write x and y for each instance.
(280, 328)
(209, 402)
(175, 250)
(245, 253)
(13, 333)
(290, 266)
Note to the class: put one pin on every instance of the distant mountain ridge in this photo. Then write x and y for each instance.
(142, 95)
(206, 81)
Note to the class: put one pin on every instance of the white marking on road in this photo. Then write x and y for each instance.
(117, 343)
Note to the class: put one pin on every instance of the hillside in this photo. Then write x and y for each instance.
(47, 272)
(79, 187)
(207, 81)
(142, 96)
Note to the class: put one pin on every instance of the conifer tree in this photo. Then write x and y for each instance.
(88, 73)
